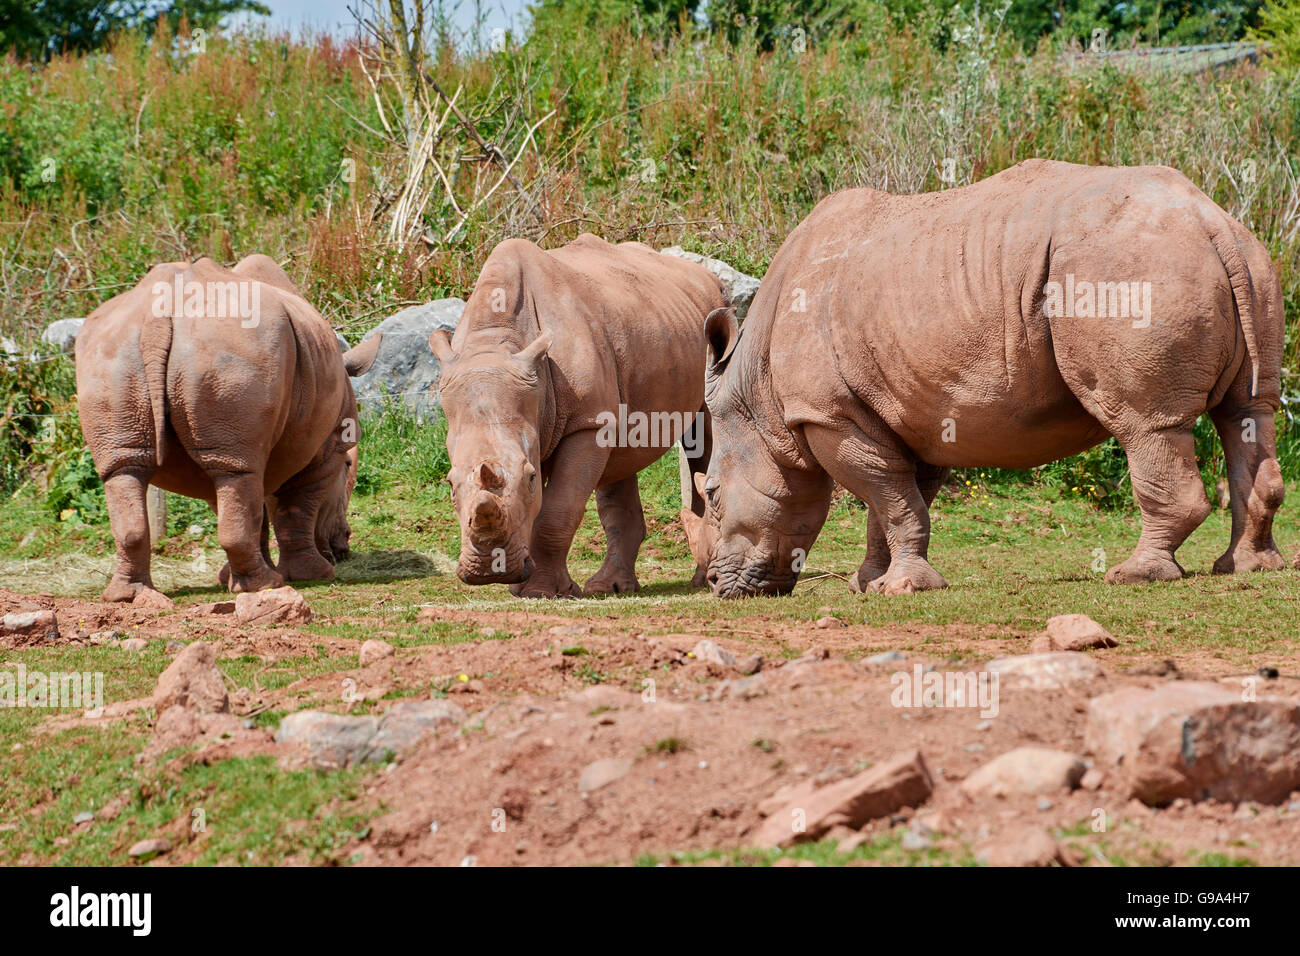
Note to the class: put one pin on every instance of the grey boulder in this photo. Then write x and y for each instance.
(406, 369)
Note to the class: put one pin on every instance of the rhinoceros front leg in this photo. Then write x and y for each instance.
(296, 511)
(878, 468)
(623, 519)
(1171, 496)
(240, 514)
(575, 468)
(125, 493)
(929, 479)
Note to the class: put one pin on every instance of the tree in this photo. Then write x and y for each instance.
(38, 30)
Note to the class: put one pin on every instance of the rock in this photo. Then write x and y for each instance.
(740, 288)
(901, 781)
(1197, 740)
(85, 816)
(1026, 770)
(1093, 779)
(888, 657)
(174, 647)
(135, 644)
(406, 722)
(62, 333)
(335, 740)
(1020, 845)
(30, 627)
(915, 841)
(372, 651)
(150, 848)
(1073, 632)
(282, 605)
(216, 607)
(750, 665)
(100, 638)
(332, 740)
(711, 653)
(193, 681)
(825, 623)
(148, 597)
(343, 343)
(602, 773)
(1051, 671)
(406, 369)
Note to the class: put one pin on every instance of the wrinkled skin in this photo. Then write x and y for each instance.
(548, 342)
(924, 343)
(258, 420)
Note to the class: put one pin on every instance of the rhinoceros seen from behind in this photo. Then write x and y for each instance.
(224, 385)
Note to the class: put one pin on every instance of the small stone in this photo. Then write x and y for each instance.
(147, 849)
(85, 816)
(888, 657)
(750, 665)
(100, 638)
(1044, 804)
(1093, 779)
(1073, 632)
(711, 653)
(283, 605)
(372, 651)
(148, 597)
(175, 647)
(136, 644)
(1026, 770)
(195, 530)
(912, 840)
(193, 681)
(1052, 671)
(601, 773)
(1020, 845)
(31, 627)
(825, 623)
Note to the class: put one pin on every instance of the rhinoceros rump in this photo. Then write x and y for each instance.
(553, 347)
(895, 337)
(253, 413)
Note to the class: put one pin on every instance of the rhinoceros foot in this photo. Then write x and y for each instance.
(259, 580)
(1144, 567)
(612, 581)
(1244, 558)
(547, 584)
(305, 566)
(120, 590)
(906, 576)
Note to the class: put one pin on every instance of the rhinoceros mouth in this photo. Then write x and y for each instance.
(752, 580)
(480, 572)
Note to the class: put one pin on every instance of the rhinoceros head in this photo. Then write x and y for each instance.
(492, 396)
(763, 512)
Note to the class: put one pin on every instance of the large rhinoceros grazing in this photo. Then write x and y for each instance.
(224, 385)
(1007, 323)
(571, 371)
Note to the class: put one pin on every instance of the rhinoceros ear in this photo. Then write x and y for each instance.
(440, 342)
(532, 354)
(358, 360)
(721, 332)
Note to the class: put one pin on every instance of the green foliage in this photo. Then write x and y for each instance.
(33, 421)
(1279, 25)
(37, 29)
(397, 449)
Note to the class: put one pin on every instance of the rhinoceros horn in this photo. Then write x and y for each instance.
(490, 477)
(489, 517)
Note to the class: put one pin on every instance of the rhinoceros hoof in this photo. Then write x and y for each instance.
(544, 586)
(1145, 568)
(619, 582)
(257, 581)
(123, 591)
(907, 577)
(308, 566)
(1249, 559)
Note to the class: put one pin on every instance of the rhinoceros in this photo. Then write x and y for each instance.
(571, 370)
(1007, 323)
(224, 385)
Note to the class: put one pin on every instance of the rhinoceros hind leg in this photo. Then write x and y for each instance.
(1255, 486)
(1169, 491)
(240, 516)
(128, 516)
(623, 519)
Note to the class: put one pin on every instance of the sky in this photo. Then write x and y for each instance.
(333, 15)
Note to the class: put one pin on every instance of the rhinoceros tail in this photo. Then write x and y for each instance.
(155, 344)
(1242, 292)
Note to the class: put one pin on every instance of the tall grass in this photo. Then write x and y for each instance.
(263, 143)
